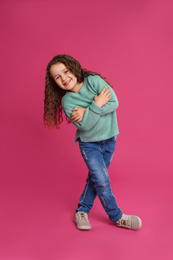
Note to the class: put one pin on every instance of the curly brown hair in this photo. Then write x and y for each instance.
(53, 113)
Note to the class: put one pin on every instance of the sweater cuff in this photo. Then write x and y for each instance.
(96, 109)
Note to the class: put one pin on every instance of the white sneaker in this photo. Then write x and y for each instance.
(81, 220)
(130, 222)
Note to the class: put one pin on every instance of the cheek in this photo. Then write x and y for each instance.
(58, 82)
(74, 79)
(72, 76)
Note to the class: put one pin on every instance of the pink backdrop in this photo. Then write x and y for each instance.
(42, 173)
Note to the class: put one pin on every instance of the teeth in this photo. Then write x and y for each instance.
(67, 82)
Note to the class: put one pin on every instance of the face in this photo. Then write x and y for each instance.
(64, 77)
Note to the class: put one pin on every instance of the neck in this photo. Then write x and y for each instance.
(77, 87)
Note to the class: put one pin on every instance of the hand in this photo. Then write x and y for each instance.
(78, 114)
(103, 98)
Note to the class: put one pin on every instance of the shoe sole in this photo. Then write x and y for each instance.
(140, 222)
(82, 227)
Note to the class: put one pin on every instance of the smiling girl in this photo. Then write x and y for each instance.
(89, 102)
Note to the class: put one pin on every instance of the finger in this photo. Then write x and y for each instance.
(73, 115)
(78, 120)
(108, 94)
(107, 97)
(107, 91)
(103, 90)
(75, 108)
(75, 119)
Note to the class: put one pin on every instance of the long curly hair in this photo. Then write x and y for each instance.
(53, 113)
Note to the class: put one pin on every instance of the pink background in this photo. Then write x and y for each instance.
(42, 173)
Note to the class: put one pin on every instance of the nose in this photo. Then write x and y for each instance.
(63, 77)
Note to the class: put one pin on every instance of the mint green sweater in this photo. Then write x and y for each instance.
(98, 123)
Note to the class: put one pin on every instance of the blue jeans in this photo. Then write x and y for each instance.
(98, 156)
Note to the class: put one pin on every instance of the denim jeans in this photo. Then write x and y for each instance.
(98, 156)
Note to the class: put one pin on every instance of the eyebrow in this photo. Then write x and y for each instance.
(62, 70)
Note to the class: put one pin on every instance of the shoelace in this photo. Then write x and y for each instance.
(82, 216)
(124, 223)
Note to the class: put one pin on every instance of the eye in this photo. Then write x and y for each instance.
(57, 77)
(66, 71)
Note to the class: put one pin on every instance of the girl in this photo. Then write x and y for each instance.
(89, 102)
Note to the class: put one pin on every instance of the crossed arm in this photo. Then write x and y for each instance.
(100, 100)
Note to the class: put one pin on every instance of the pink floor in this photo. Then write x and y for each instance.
(35, 224)
(37, 210)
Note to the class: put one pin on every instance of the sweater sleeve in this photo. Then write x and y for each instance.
(113, 103)
(92, 115)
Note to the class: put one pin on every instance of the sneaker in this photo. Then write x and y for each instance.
(130, 222)
(81, 220)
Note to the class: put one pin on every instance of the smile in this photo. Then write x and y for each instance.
(66, 83)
